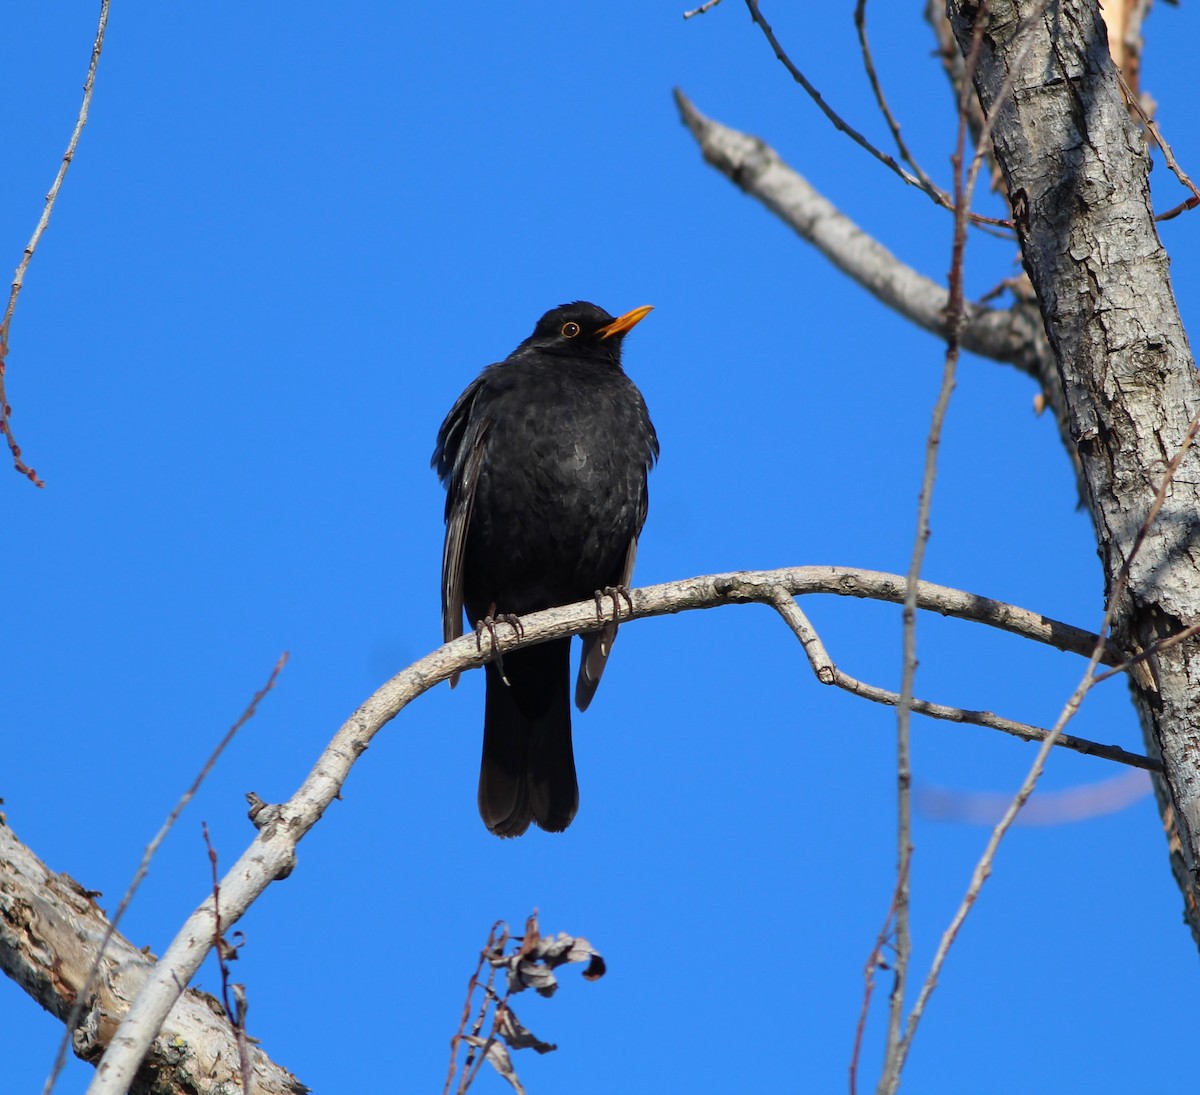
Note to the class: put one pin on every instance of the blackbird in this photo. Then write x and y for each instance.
(544, 458)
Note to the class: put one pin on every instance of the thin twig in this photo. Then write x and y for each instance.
(472, 985)
(1135, 102)
(1011, 335)
(889, 1080)
(873, 963)
(983, 868)
(827, 672)
(708, 5)
(144, 866)
(939, 197)
(860, 24)
(31, 246)
(501, 1003)
(897, 1046)
(225, 951)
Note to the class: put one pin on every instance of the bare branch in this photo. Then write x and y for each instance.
(983, 868)
(937, 195)
(874, 961)
(1011, 336)
(860, 24)
(272, 854)
(31, 246)
(828, 673)
(839, 123)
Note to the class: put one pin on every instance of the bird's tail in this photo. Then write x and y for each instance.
(528, 767)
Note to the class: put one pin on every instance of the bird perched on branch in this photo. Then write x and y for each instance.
(544, 458)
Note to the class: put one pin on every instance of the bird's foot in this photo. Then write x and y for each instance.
(615, 594)
(488, 624)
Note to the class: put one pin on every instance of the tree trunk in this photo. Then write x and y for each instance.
(1076, 170)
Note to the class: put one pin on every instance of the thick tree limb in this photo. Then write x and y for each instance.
(272, 855)
(1076, 169)
(50, 931)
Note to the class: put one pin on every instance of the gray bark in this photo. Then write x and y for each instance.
(1076, 170)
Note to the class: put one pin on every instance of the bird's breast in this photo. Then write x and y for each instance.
(561, 493)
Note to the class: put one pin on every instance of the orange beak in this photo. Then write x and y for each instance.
(623, 323)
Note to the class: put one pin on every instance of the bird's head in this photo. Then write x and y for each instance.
(584, 330)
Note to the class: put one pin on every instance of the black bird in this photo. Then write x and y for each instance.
(544, 458)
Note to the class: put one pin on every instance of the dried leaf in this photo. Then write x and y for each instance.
(509, 1027)
(499, 1059)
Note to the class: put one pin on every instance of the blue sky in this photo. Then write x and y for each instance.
(291, 236)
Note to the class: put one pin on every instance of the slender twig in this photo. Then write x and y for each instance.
(708, 5)
(19, 277)
(501, 1003)
(144, 866)
(983, 868)
(874, 961)
(860, 24)
(889, 1080)
(1183, 207)
(939, 197)
(964, 187)
(472, 985)
(1132, 98)
(225, 951)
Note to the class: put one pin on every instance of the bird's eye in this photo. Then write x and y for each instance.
(570, 330)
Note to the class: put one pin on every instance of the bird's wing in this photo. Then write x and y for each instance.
(458, 458)
(598, 644)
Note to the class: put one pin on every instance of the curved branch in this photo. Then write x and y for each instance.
(272, 854)
(1012, 336)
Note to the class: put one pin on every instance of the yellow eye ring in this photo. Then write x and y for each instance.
(570, 330)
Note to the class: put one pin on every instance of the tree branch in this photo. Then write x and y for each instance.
(828, 673)
(1012, 336)
(51, 931)
(42, 224)
(272, 854)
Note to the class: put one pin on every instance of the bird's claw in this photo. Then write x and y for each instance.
(488, 624)
(615, 593)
